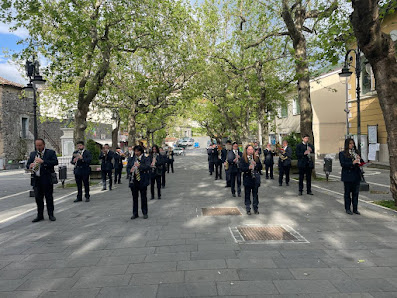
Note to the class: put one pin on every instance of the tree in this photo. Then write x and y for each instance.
(380, 51)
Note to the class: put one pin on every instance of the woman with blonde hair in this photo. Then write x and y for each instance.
(251, 166)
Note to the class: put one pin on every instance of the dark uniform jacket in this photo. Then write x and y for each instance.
(144, 170)
(286, 163)
(212, 155)
(268, 157)
(170, 156)
(82, 167)
(304, 160)
(350, 172)
(248, 178)
(47, 167)
(224, 155)
(118, 161)
(107, 161)
(160, 162)
(233, 167)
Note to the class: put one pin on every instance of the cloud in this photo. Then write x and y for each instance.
(20, 32)
(12, 72)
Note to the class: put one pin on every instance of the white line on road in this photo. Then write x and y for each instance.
(378, 184)
(14, 195)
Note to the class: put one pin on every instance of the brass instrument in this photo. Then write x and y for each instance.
(253, 163)
(280, 152)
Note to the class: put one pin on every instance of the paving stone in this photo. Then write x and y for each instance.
(318, 273)
(13, 273)
(133, 251)
(10, 285)
(201, 264)
(152, 267)
(47, 284)
(52, 273)
(264, 274)
(176, 248)
(154, 278)
(76, 262)
(250, 263)
(86, 293)
(364, 285)
(213, 255)
(211, 275)
(299, 263)
(246, 288)
(20, 294)
(101, 270)
(101, 281)
(187, 290)
(304, 286)
(121, 260)
(156, 243)
(370, 272)
(146, 291)
(177, 256)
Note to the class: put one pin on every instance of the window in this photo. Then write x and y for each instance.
(284, 111)
(25, 128)
(367, 77)
(296, 108)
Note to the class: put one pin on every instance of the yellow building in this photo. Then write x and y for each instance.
(371, 113)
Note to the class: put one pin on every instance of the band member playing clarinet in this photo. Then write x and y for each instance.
(284, 163)
(156, 165)
(269, 160)
(42, 162)
(106, 157)
(233, 158)
(350, 161)
(250, 166)
(81, 160)
(305, 154)
(118, 165)
(139, 166)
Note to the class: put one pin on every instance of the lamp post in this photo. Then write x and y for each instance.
(346, 73)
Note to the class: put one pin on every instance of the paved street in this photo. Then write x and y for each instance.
(95, 250)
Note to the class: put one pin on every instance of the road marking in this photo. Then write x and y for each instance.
(378, 184)
(14, 195)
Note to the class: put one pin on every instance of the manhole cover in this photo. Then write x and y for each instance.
(266, 234)
(220, 211)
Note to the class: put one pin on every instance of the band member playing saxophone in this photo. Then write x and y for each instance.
(250, 165)
(118, 165)
(106, 157)
(350, 161)
(305, 154)
(81, 160)
(269, 161)
(233, 158)
(156, 165)
(284, 163)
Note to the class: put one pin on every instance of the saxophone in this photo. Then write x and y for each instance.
(280, 151)
(252, 162)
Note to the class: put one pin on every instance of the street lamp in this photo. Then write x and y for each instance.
(346, 73)
(35, 81)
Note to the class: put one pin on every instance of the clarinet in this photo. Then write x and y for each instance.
(250, 159)
(238, 159)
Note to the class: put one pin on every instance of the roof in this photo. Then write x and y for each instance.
(5, 82)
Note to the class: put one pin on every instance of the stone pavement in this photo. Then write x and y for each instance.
(95, 250)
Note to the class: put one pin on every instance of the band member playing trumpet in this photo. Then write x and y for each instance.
(284, 163)
(156, 165)
(269, 160)
(81, 160)
(251, 166)
(139, 166)
(305, 154)
(42, 162)
(118, 165)
(233, 158)
(350, 161)
(106, 158)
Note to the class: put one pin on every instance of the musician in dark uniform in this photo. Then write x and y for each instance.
(284, 163)
(81, 160)
(42, 163)
(106, 158)
(139, 166)
(218, 164)
(225, 152)
(157, 163)
(212, 152)
(258, 151)
(170, 159)
(118, 165)
(233, 158)
(305, 154)
(251, 165)
(128, 154)
(269, 160)
(351, 175)
(164, 157)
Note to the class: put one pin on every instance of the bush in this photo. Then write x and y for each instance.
(95, 151)
(293, 139)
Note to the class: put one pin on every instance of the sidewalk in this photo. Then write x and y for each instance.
(95, 250)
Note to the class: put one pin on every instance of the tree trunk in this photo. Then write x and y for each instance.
(115, 134)
(132, 129)
(80, 117)
(380, 52)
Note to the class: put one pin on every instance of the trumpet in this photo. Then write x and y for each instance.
(280, 152)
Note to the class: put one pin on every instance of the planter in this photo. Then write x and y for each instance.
(95, 172)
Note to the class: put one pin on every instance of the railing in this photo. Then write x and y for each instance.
(52, 142)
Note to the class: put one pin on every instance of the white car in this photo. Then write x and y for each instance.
(179, 151)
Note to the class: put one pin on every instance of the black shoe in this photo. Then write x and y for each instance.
(272, 178)
(349, 212)
(356, 212)
(103, 188)
(234, 195)
(159, 198)
(134, 216)
(248, 212)
(119, 182)
(210, 174)
(216, 178)
(152, 198)
(300, 193)
(145, 216)
(267, 177)
(87, 199)
(163, 186)
(227, 186)
(77, 200)
(280, 184)
(110, 188)
(52, 217)
(239, 194)
(287, 184)
(37, 219)
(256, 212)
(310, 193)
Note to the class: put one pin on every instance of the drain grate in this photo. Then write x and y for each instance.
(266, 234)
(220, 211)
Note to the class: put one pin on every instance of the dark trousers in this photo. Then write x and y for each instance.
(233, 177)
(135, 194)
(211, 167)
(308, 173)
(283, 170)
(170, 164)
(105, 174)
(228, 178)
(43, 188)
(267, 167)
(157, 180)
(163, 178)
(117, 175)
(352, 188)
(247, 194)
(80, 180)
(218, 170)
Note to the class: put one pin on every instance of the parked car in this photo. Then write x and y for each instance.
(179, 151)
